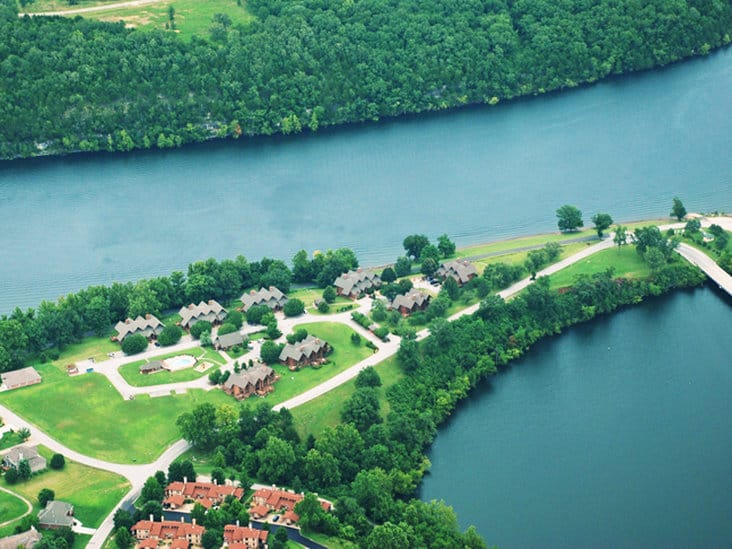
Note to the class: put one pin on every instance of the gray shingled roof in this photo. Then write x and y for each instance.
(24, 376)
(227, 341)
(413, 299)
(356, 282)
(30, 453)
(145, 325)
(151, 366)
(460, 269)
(210, 311)
(303, 349)
(56, 513)
(258, 372)
(25, 539)
(271, 297)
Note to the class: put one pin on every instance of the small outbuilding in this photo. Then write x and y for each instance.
(151, 367)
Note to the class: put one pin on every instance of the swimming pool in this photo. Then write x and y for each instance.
(179, 362)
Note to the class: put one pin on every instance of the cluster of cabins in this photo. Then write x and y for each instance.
(182, 496)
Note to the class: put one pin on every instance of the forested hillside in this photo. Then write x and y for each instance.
(73, 84)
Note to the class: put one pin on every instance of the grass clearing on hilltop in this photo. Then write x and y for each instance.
(625, 261)
(191, 17)
(92, 492)
(87, 413)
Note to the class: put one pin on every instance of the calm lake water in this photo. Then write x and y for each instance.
(615, 434)
(625, 146)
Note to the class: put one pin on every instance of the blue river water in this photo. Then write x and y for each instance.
(614, 434)
(624, 146)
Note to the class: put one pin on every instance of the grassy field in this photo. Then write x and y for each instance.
(345, 355)
(131, 372)
(87, 414)
(91, 347)
(192, 17)
(81, 541)
(325, 411)
(93, 492)
(624, 260)
(8, 440)
(10, 507)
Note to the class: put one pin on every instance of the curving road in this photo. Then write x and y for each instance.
(137, 474)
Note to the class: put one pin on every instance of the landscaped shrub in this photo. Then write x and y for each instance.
(361, 319)
(382, 332)
(355, 339)
(170, 335)
(226, 328)
(297, 336)
(294, 307)
(58, 461)
(329, 294)
(323, 306)
(200, 327)
(256, 312)
(236, 318)
(270, 352)
(134, 344)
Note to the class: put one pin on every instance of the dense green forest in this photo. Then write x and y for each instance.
(74, 84)
(371, 467)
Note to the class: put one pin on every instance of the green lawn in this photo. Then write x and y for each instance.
(518, 258)
(325, 411)
(10, 507)
(87, 414)
(192, 17)
(306, 295)
(8, 440)
(131, 372)
(520, 242)
(90, 347)
(625, 260)
(81, 541)
(344, 355)
(93, 492)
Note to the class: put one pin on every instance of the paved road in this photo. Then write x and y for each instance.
(105, 7)
(137, 474)
(27, 503)
(708, 265)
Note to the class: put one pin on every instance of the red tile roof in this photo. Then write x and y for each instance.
(234, 534)
(166, 529)
(148, 544)
(206, 493)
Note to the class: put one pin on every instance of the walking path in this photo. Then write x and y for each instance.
(105, 7)
(24, 500)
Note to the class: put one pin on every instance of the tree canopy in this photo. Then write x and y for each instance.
(73, 84)
(569, 218)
